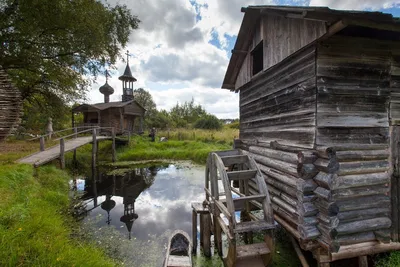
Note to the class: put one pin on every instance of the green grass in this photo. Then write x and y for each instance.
(225, 135)
(142, 149)
(34, 227)
(388, 259)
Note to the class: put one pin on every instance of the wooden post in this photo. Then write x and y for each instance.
(75, 132)
(141, 124)
(73, 119)
(205, 219)
(94, 149)
(62, 153)
(113, 145)
(129, 137)
(194, 231)
(121, 118)
(41, 143)
(362, 261)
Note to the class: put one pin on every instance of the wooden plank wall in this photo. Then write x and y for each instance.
(282, 37)
(280, 105)
(353, 95)
(395, 88)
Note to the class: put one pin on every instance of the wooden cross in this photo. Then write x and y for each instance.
(127, 56)
(107, 75)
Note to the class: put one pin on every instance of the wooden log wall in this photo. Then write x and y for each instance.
(323, 143)
(353, 98)
(289, 173)
(280, 104)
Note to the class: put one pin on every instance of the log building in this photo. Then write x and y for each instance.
(320, 113)
(125, 116)
(10, 105)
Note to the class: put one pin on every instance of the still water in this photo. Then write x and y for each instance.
(133, 213)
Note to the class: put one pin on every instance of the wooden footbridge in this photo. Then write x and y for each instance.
(70, 143)
(217, 212)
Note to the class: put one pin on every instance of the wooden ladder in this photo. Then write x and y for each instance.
(229, 166)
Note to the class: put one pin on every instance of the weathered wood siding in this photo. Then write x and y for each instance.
(395, 88)
(282, 37)
(354, 79)
(280, 104)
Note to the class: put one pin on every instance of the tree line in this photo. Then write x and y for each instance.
(185, 115)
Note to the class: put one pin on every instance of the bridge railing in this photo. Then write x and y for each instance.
(76, 132)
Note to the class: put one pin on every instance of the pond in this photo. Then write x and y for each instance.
(132, 213)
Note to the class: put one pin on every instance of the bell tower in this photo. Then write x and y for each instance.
(127, 81)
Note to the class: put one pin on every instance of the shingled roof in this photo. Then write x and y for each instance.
(10, 105)
(103, 106)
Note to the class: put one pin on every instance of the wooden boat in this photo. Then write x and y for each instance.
(179, 250)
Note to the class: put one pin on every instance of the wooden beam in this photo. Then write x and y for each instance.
(333, 29)
(395, 27)
(241, 52)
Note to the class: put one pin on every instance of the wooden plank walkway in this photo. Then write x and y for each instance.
(52, 153)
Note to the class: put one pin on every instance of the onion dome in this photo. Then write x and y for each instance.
(106, 89)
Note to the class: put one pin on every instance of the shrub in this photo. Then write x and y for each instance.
(208, 122)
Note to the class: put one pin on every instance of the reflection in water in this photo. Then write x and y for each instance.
(145, 205)
(124, 188)
(145, 201)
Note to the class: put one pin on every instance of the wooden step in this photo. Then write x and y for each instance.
(238, 159)
(252, 250)
(241, 200)
(242, 175)
(225, 153)
(244, 227)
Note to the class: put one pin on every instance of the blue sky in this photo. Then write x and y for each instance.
(182, 48)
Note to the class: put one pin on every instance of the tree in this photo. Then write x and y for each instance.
(209, 122)
(145, 99)
(187, 113)
(50, 47)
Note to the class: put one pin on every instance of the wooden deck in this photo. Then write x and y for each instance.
(52, 153)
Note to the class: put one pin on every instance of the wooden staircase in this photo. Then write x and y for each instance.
(251, 196)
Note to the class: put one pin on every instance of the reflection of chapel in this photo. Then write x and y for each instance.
(125, 116)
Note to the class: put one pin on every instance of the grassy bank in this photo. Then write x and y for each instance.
(142, 149)
(226, 135)
(34, 229)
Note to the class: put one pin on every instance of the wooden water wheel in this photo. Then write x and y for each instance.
(252, 201)
(10, 105)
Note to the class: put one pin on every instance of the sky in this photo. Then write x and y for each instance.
(182, 48)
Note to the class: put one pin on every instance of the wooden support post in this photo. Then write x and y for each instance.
(217, 234)
(113, 145)
(75, 132)
(129, 137)
(205, 219)
(74, 158)
(194, 231)
(94, 150)
(201, 230)
(363, 261)
(41, 143)
(62, 153)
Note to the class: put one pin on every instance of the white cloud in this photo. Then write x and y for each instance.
(172, 55)
(172, 48)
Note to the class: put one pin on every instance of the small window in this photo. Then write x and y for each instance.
(257, 56)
